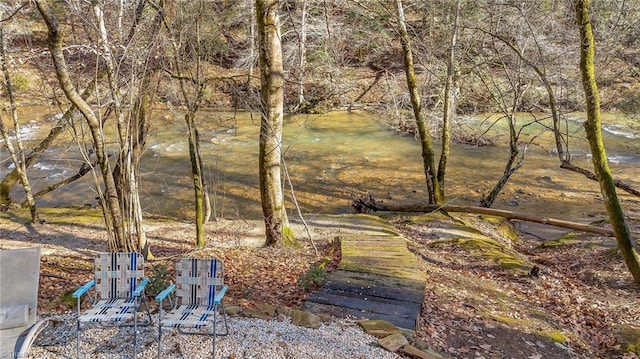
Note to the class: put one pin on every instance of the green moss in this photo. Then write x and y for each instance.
(504, 319)
(570, 239)
(554, 335)
(465, 228)
(512, 263)
(478, 243)
(505, 257)
(503, 227)
(600, 222)
(288, 238)
(74, 215)
(19, 83)
(430, 217)
(629, 339)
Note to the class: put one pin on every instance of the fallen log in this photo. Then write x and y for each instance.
(370, 204)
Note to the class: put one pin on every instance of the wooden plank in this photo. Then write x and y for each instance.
(409, 295)
(365, 279)
(394, 272)
(378, 278)
(408, 323)
(374, 238)
(404, 261)
(399, 309)
(378, 246)
(367, 304)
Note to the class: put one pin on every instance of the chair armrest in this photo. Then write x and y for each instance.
(82, 290)
(218, 298)
(165, 293)
(141, 286)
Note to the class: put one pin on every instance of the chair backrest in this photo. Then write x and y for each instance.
(19, 274)
(198, 280)
(118, 274)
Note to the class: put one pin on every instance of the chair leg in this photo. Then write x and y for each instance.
(159, 329)
(146, 307)
(224, 317)
(135, 331)
(78, 331)
(78, 339)
(213, 338)
(159, 338)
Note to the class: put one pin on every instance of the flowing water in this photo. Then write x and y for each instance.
(330, 157)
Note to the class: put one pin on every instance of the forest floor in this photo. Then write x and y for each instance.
(580, 302)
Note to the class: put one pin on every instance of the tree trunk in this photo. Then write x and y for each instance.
(593, 127)
(139, 128)
(192, 90)
(449, 110)
(302, 49)
(198, 180)
(428, 155)
(509, 169)
(111, 206)
(509, 110)
(277, 228)
(20, 163)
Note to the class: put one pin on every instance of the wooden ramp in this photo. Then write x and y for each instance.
(378, 278)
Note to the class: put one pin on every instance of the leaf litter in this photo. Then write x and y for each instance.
(470, 310)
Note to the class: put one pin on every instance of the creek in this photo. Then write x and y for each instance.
(330, 157)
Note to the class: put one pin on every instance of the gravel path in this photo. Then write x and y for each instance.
(248, 338)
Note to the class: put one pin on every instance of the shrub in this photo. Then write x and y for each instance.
(313, 278)
(159, 279)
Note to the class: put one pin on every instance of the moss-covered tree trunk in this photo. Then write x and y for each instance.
(277, 228)
(192, 88)
(627, 246)
(198, 180)
(428, 155)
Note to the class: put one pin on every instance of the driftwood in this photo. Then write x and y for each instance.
(368, 203)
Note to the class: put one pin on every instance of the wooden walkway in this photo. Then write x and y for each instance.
(378, 278)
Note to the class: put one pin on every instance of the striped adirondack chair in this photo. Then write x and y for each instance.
(199, 289)
(119, 284)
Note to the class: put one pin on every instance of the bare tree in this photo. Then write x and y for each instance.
(449, 107)
(593, 125)
(189, 74)
(508, 98)
(110, 204)
(538, 60)
(18, 157)
(126, 63)
(424, 134)
(278, 231)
